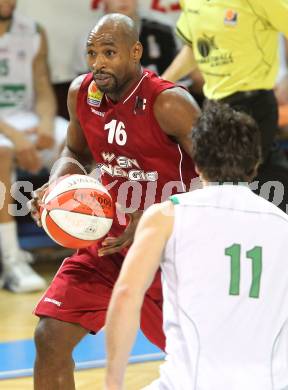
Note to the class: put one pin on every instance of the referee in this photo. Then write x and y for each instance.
(236, 49)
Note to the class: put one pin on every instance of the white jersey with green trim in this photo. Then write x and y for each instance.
(18, 48)
(225, 286)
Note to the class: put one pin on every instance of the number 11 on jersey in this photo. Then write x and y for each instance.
(255, 254)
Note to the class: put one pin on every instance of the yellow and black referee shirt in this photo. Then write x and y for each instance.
(235, 42)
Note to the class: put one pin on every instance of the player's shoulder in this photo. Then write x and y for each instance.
(77, 82)
(23, 25)
(261, 206)
(74, 89)
(184, 198)
(156, 86)
(175, 99)
(273, 210)
(176, 91)
(164, 208)
(159, 216)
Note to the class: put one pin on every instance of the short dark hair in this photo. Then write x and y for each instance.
(226, 144)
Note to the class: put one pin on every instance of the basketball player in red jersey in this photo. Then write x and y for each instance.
(136, 127)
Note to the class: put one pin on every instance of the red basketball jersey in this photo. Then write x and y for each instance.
(139, 163)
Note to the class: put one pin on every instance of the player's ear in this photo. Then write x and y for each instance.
(137, 51)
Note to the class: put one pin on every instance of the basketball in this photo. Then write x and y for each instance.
(77, 211)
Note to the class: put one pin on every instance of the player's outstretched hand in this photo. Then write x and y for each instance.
(112, 245)
(34, 203)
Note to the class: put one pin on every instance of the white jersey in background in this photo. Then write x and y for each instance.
(225, 286)
(18, 48)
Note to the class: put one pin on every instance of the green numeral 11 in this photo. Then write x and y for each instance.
(255, 254)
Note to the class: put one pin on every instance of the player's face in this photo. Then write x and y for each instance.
(6, 9)
(111, 60)
(126, 7)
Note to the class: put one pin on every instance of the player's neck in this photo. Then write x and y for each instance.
(117, 96)
(5, 26)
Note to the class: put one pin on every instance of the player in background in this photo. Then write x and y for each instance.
(136, 127)
(31, 135)
(222, 251)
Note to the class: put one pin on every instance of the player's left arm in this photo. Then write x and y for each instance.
(177, 112)
(45, 101)
(137, 273)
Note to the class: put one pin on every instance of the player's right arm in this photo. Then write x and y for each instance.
(136, 275)
(75, 157)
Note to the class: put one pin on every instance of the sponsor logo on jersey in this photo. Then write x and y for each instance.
(99, 113)
(12, 95)
(125, 167)
(94, 96)
(231, 17)
(206, 45)
(140, 105)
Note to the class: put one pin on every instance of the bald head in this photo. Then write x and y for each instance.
(114, 53)
(121, 27)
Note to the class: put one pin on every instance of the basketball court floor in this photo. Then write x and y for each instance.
(17, 349)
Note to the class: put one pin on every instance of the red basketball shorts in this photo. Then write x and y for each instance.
(81, 290)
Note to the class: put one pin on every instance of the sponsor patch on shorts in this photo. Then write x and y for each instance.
(57, 303)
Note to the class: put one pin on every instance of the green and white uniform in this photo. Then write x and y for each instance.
(18, 48)
(225, 288)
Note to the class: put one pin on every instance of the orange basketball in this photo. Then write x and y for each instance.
(77, 211)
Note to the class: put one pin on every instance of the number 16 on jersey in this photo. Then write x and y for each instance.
(117, 132)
